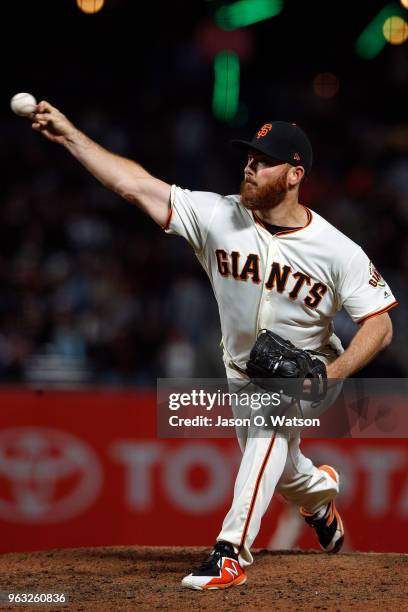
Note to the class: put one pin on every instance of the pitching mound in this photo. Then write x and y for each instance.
(141, 578)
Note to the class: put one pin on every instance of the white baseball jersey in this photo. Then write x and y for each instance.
(292, 283)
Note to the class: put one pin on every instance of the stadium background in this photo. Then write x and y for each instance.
(96, 302)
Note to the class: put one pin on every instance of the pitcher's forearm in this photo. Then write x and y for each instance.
(113, 171)
(373, 336)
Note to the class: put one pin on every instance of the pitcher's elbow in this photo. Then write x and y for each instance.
(127, 192)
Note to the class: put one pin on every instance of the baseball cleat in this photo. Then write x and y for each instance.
(327, 521)
(220, 570)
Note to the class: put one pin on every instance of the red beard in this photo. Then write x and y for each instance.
(266, 197)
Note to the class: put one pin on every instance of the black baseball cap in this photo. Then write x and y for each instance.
(283, 141)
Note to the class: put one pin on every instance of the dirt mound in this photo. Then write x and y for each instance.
(141, 578)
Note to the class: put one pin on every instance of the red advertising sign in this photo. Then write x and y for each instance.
(85, 468)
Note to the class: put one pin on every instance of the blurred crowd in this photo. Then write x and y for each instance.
(93, 292)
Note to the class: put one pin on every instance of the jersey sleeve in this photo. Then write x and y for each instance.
(363, 291)
(191, 215)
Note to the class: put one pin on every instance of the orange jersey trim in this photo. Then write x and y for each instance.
(255, 493)
(289, 231)
(378, 312)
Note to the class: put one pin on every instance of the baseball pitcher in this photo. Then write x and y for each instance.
(280, 272)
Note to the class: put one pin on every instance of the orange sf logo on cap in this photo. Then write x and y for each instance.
(296, 156)
(265, 129)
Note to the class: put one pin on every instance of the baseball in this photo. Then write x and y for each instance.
(23, 104)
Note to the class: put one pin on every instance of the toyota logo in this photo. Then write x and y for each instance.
(46, 475)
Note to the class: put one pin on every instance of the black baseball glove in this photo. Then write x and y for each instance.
(278, 365)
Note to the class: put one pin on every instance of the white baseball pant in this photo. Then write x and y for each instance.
(272, 461)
